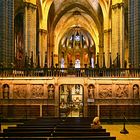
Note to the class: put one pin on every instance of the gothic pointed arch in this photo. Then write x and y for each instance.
(55, 35)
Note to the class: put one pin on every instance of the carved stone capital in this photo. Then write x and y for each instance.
(30, 5)
(107, 30)
(118, 5)
(43, 31)
(101, 46)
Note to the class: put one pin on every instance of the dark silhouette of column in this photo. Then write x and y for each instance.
(26, 61)
(45, 65)
(110, 60)
(118, 60)
(52, 66)
(97, 65)
(32, 61)
(38, 60)
(104, 60)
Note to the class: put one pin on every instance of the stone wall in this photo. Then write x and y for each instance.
(37, 97)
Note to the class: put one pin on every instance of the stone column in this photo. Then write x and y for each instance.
(55, 59)
(30, 29)
(25, 29)
(118, 30)
(56, 99)
(41, 111)
(85, 99)
(6, 32)
(100, 56)
(107, 46)
(42, 46)
(134, 32)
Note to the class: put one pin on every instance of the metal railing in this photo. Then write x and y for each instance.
(62, 72)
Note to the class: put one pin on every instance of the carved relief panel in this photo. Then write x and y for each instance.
(122, 91)
(19, 91)
(37, 91)
(105, 91)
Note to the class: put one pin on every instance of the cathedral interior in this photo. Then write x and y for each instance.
(69, 58)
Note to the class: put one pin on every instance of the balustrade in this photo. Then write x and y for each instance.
(77, 72)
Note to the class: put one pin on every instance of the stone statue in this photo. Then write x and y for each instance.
(91, 92)
(5, 91)
(51, 91)
(136, 91)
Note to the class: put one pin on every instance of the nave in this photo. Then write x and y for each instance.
(78, 126)
(56, 129)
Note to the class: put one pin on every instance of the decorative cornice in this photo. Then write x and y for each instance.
(118, 5)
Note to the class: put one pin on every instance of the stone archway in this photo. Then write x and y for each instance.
(76, 14)
(77, 44)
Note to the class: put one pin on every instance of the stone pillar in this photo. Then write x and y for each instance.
(118, 30)
(56, 99)
(100, 56)
(42, 46)
(107, 46)
(85, 99)
(25, 29)
(6, 32)
(50, 48)
(55, 59)
(134, 32)
(30, 29)
(98, 110)
(41, 111)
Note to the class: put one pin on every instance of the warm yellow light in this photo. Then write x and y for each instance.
(30, 1)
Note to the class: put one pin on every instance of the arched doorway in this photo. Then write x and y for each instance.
(71, 100)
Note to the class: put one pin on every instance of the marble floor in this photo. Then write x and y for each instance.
(114, 129)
